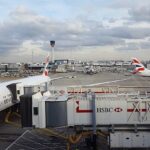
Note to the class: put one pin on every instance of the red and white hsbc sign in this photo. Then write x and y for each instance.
(109, 109)
(99, 109)
(80, 109)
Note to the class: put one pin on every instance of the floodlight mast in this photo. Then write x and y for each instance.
(52, 43)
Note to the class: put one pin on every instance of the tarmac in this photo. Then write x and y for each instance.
(17, 138)
(85, 79)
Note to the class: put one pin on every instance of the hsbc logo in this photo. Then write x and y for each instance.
(118, 109)
(105, 109)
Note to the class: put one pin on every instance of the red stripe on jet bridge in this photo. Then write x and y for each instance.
(97, 92)
(78, 110)
(83, 110)
(137, 110)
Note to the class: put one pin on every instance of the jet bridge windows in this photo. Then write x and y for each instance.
(31, 89)
(28, 90)
(36, 88)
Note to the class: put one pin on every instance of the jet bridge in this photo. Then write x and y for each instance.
(123, 115)
(113, 110)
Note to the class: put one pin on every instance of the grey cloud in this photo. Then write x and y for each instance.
(119, 4)
(128, 47)
(130, 32)
(22, 13)
(126, 4)
(112, 20)
(145, 45)
(140, 13)
(137, 10)
(24, 25)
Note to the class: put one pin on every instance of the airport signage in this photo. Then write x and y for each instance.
(109, 109)
(98, 109)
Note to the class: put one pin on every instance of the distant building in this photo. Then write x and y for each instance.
(35, 66)
(9, 67)
(51, 65)
(61, 61)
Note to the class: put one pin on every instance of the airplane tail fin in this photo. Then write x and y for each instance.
(45, 71)
(139, 67)
(135, 61)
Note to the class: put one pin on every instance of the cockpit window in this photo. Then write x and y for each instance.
(138, 66)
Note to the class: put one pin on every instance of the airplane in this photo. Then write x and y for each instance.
(140, 68)
(11, 91)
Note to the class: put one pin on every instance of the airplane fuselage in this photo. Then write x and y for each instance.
(6, 95)
(145, 73)
(5, 98)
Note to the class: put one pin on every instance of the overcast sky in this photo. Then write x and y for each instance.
(82, 29)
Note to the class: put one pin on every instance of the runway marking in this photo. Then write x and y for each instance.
(101, 83)
(108, 82)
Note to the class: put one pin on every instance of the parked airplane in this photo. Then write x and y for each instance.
(140, 68)
(11, 91)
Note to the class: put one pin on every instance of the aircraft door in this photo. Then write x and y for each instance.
(12, 88)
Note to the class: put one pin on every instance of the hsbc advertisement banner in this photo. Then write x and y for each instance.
(111, 111)
(108, 111)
